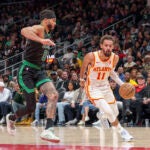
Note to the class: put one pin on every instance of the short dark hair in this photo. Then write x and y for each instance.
(107, 37)
(49, 14)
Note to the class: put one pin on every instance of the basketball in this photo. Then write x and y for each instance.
(127, 91)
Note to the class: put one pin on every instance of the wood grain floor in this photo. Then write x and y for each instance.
(77, 136)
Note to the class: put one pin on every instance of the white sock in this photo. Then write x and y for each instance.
(119, 127)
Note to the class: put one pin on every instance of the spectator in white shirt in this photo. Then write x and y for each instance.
(130, 63)
(5, 105)
(67, 100)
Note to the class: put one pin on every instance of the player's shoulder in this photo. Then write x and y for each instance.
(90, 54)
(115, 58)
(38, 27)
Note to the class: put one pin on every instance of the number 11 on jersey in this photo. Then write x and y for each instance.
(101, 76)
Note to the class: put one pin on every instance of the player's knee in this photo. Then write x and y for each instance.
(108, 113)
(116, 113)
(112, 115)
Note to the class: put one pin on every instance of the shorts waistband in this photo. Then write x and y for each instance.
(31, 65)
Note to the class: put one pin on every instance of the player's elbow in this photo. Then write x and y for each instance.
(23, 31)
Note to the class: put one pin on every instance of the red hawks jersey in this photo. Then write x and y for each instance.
(98, 73)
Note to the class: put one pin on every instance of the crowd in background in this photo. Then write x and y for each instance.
(82, 19)
(73, 23)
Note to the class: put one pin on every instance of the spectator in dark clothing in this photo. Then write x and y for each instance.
(75, 80)
(146, 101)
(137, 101)
(18, 99)
(56, 80)
(65, 78)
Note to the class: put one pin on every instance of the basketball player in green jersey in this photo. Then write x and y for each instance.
(31, 75)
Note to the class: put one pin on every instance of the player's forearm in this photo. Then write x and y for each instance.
(29, 34)
(82, 71)
(116, 78)
(88, 59)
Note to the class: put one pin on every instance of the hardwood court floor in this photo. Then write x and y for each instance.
(72, 138)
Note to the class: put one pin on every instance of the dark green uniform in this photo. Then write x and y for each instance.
(31, 75)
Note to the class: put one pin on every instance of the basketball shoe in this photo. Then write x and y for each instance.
(49, 135)
(103, 120)
(35, 123)
(125, 135)
(10, 125)
(97, 123)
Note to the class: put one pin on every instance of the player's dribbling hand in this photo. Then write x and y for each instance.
(47, 42)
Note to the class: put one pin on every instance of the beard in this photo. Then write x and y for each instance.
(107, 54)
(49, 26)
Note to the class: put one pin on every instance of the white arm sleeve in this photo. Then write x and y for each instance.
(116, 78)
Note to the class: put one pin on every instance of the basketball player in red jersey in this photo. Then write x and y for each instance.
(98, 66)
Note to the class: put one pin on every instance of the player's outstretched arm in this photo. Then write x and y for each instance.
(115, 77)
(113, 74)
(33, 33)
(36, 33)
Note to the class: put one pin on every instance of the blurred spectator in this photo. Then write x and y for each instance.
(146, 64)
(67, 99)
(17, 99)
(56, 80)
(133, 75)
(130, 63)
(120, 72)
(128, 79)
(73, 111)
(146, 101)
(68, 56)
(5, 102)
(88, 113)
(76, 62)
(41, 104)
(75, 80)
(137, 101)
(65, 78)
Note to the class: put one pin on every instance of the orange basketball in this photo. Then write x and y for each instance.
(127, 91)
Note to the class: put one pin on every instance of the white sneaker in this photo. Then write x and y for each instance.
(81, 122)
(97, 123)
(2, 120)
(10, 125)
(49, 135)
(126, 136)
(87, 118)
(71, 122)
(35, 123)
